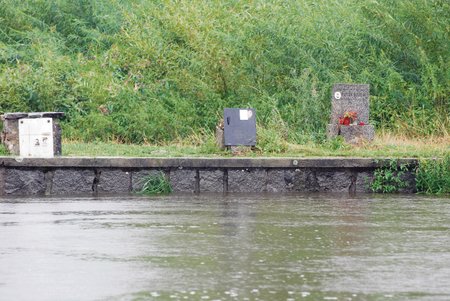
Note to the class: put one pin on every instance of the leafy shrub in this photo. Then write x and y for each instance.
(388, 178)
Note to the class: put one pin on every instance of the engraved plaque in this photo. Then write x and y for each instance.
(350, 97)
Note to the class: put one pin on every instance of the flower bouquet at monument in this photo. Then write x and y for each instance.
(349, 118)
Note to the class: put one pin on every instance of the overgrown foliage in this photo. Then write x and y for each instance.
(433, 175)
(156, 71)
(388, 178)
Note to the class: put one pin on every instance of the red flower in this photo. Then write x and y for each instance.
(348, 118)
(361, 123)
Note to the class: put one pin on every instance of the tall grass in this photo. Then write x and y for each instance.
(433, 175)
(156, 71)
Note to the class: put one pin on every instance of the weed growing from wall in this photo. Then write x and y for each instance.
(388, 178)
(433, 175)
(156, 184)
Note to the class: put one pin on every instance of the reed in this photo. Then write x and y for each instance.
(433, 175)
(160, 71)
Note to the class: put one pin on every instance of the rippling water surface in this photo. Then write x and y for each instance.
(235, 247)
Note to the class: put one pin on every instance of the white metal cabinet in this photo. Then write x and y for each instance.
(36, 137)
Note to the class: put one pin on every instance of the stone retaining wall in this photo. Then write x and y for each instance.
(71, 176)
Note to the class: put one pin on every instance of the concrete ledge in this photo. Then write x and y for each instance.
(72, 175)
(126, 162)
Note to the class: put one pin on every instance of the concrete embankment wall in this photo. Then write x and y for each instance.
(79, 175)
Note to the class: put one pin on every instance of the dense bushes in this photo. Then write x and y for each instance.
(137, 71)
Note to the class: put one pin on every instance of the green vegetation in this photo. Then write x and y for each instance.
(141, 71)
(382, 147)
(388, 178)
(3, 150)
(156, 184)
(433, 175)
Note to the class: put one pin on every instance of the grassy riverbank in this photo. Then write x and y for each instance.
(383, 146)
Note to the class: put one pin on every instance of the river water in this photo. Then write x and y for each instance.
(234, 247)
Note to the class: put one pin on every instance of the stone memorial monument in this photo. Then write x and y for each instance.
(350, 113)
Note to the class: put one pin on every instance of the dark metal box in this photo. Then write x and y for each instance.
(239, 126)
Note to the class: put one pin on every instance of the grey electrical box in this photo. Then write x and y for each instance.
(239, 127)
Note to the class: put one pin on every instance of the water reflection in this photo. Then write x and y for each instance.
(214, 247)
